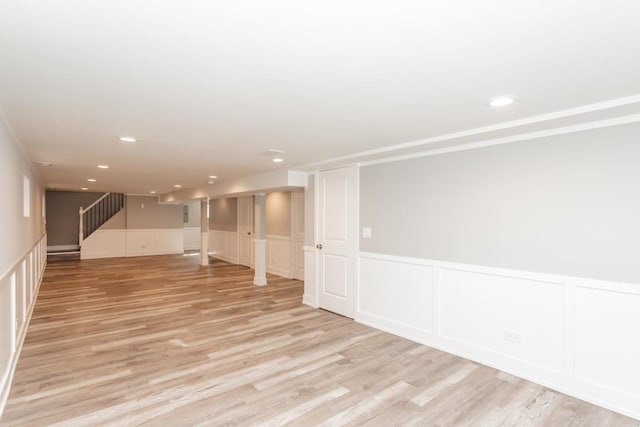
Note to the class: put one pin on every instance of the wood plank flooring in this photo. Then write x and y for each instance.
(162, 341)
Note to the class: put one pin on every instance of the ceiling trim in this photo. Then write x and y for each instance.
(477, 132)
(634, 118)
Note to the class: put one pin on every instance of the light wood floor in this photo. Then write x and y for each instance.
(162, 341)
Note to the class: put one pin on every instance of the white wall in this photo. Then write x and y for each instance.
(22, 252)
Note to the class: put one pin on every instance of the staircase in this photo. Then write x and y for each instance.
(99, 212)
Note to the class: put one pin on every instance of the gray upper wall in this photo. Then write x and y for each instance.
(18, 233)
(63, 216)
(566, 204)
(223, 214)
(278, 213)
(145, 212)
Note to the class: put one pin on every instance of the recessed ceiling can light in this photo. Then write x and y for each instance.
(209, 182)
(501, 101)
(212, 176)
(127, 139)
(84, 188)
(178, 186)
(152, 192)
(277, 160)
(45, 163)
(91, 180)
(103, 167)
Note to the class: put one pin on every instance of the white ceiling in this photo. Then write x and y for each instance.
(206, 85)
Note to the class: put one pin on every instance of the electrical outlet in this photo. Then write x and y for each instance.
(512, 336)
(366, 232)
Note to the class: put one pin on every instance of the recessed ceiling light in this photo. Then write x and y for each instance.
(277, 160)
(91, 180)
(178, 186)
(103, 167)
(501, 101)
(84, 188)
(127, 139)
(209, 182)
(152, 192)
(212, 176)
(45, 163)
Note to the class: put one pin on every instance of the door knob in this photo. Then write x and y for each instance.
(319, 246)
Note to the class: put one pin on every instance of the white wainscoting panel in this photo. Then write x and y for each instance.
(231, 247)
(224, 245)
(191, 239)
(607, 341)
(121, 243)
(398, 294)
(158, 241)
(104, 244)
(298, 256)
(279, 255)
(511, 316)
(18, 291)
(310, 296)
(578, 336)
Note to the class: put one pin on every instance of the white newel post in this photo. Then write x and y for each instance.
(204, 232)
(260, 243)
(81, 233)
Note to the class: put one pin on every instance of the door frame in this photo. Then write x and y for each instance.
(251, 227)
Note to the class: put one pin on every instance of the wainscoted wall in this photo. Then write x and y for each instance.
(578, 336)
(191, 238)
(19, 287)
(133, 242)
(224, 245)
(279, 255)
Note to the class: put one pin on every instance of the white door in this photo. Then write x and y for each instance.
(337, 240)
(245, 227)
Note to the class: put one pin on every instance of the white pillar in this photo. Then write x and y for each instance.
(204, 232)
(259, 241)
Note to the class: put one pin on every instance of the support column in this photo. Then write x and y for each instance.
(204, 232)
(259, 241)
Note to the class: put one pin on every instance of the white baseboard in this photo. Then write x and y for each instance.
(61, 248)
(309, 300)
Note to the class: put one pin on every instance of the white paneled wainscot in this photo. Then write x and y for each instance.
(279, 251)
(132, 242)
(191, 238)
(18, 290)
(224, 245)
(578, 336)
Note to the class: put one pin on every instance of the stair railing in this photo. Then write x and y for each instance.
(96, 214)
